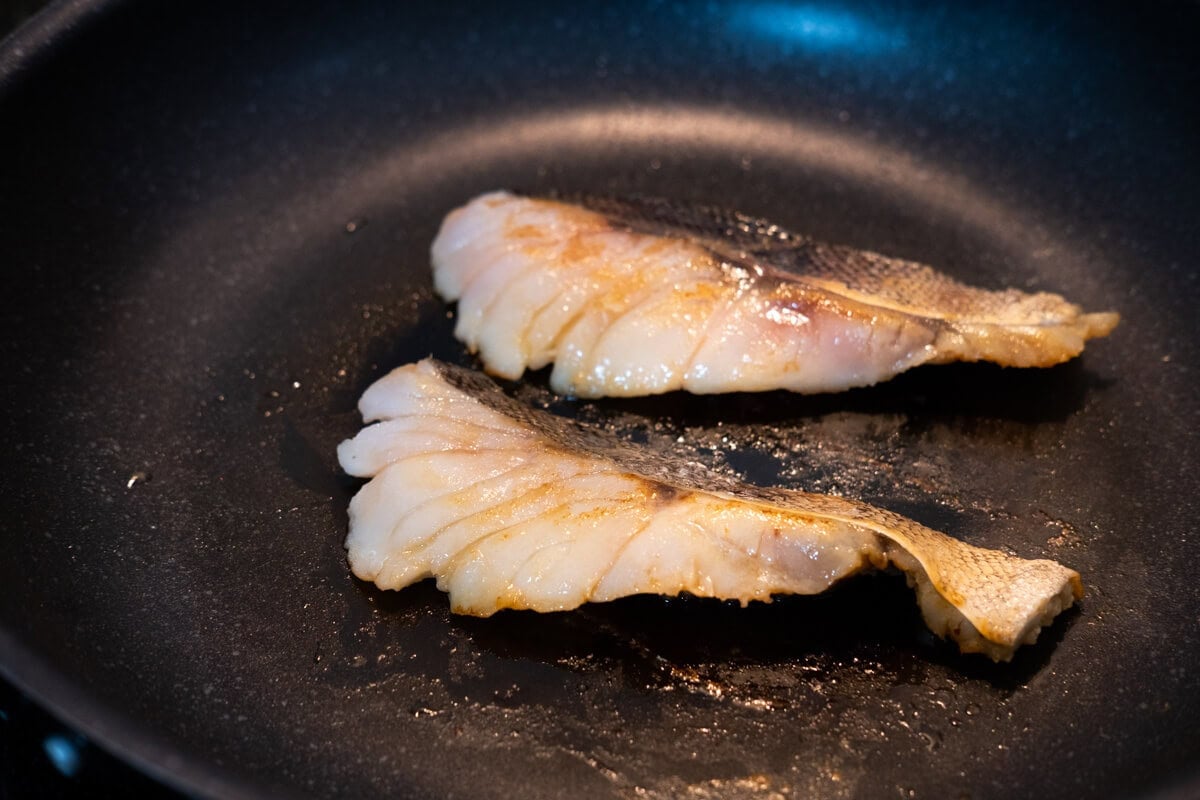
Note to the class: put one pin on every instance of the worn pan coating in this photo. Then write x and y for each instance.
(215, 222)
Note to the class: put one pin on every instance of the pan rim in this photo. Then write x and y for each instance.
(115, 732)
(104, 725)
(21, 49)
(20, 54)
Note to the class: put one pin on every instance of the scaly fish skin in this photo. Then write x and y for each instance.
(508, 507)
(636, 297)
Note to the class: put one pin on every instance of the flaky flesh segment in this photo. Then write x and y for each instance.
(508, 507)
(642, 297)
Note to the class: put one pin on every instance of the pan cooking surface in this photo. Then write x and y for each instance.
(217, 237)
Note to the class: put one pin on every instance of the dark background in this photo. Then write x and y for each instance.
(27, 733)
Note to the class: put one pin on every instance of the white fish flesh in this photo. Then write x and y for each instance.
(635, 297)
(508, 507)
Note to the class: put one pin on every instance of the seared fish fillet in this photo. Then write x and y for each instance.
(509, 507)
(635, 297)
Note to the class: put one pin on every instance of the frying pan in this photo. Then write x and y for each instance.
(215, 228)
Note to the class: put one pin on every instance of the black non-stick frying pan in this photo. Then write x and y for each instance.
(214, 227)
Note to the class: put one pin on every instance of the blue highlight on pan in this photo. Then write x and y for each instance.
(814, 27)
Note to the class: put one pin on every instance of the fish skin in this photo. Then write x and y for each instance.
(510, 507)
(638, 296)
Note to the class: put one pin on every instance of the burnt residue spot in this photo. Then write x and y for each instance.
(665, 494)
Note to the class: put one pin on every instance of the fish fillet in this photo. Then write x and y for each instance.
(509, 507)
(636, 297)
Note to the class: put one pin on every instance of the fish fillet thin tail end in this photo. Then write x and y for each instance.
(1011, 619)
(1099, 323)
(1021, 344)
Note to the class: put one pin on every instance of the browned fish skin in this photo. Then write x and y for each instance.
(874, 280)
(509, 507)
(631, 297)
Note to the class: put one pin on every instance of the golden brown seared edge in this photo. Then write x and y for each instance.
(985, 600)
(634, 298)
(1009, 326)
